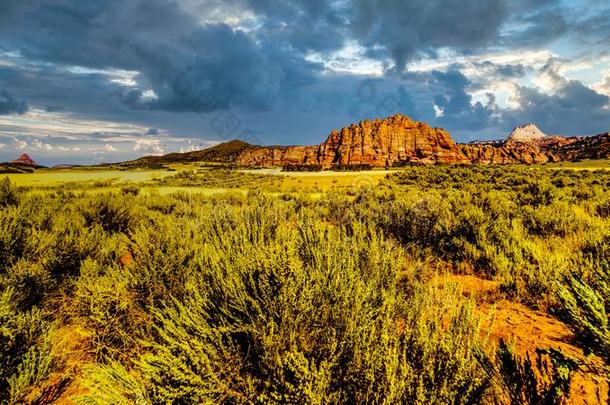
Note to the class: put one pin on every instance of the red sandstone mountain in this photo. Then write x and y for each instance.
(24, 160)
(378, 143)
(24, 164)
(400, 140)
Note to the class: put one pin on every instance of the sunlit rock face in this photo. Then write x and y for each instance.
(400, 140)
(378, 143)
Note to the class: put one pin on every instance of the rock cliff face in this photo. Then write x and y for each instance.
(526, 133)
(586, 147)
(378, 143)
(507, 153)
(278, 156)
(24, 160)
(385, 142)
(400, 140)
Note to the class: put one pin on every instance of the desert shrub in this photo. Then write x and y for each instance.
(421, 221)
(585, 308)
(585, 298)
(545, 382)
(537, 193)
(582, 192)
(8, 193)
(315, 317)
(163, 255)
(69, 243)
(130, 190)
(221, 178)
(113, 384)
(111, 213)
(264, 297)
(603, 208)
(27, 384)
(19, 334)
(14, 236)
(107, 305)
(557, 219)
(31, 283)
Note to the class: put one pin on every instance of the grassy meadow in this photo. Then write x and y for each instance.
(204, 284)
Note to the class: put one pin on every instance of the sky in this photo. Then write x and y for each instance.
(110, 80)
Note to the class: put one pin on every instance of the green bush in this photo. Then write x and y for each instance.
(8, 193)
(545, 382)
(22, 362)
(585, 299)
(316, 317)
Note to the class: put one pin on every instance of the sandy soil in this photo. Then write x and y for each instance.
(529, 330)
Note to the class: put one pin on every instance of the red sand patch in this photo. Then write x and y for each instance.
(530, 330)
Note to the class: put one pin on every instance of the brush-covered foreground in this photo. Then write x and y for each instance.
(268, 294)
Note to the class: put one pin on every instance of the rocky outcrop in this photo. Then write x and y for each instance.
(399, 140)
(525, 144)
(530, 134)
(24, 160)
(278, 156)
(507, 153)
(378, 143)
(525, 134)
(384, 142)
(586, 147)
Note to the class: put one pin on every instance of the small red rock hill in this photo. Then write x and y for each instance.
(24, 160)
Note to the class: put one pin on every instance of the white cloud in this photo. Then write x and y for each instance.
(36, 144)
(439, 111)
(19, 144)
(214, 12)
(58, 136)
(151, 146)
(109, 148)
(101, 149)
(350, 59)
(447, 59)
(603, 86)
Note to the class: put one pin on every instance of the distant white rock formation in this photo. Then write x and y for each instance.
(526, 133)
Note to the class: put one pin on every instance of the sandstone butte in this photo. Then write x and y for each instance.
(24, 160)
(396, 140)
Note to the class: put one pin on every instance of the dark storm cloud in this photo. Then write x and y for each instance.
(541, 28)
(574, 110)
(591, 22)
(314, 25)
(409, 28)
(10, 105)
(178, 58)
(53, 88)
(459, 111)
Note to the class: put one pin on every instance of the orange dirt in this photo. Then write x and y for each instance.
(529, 330)
(70, 347)
(126, 258)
